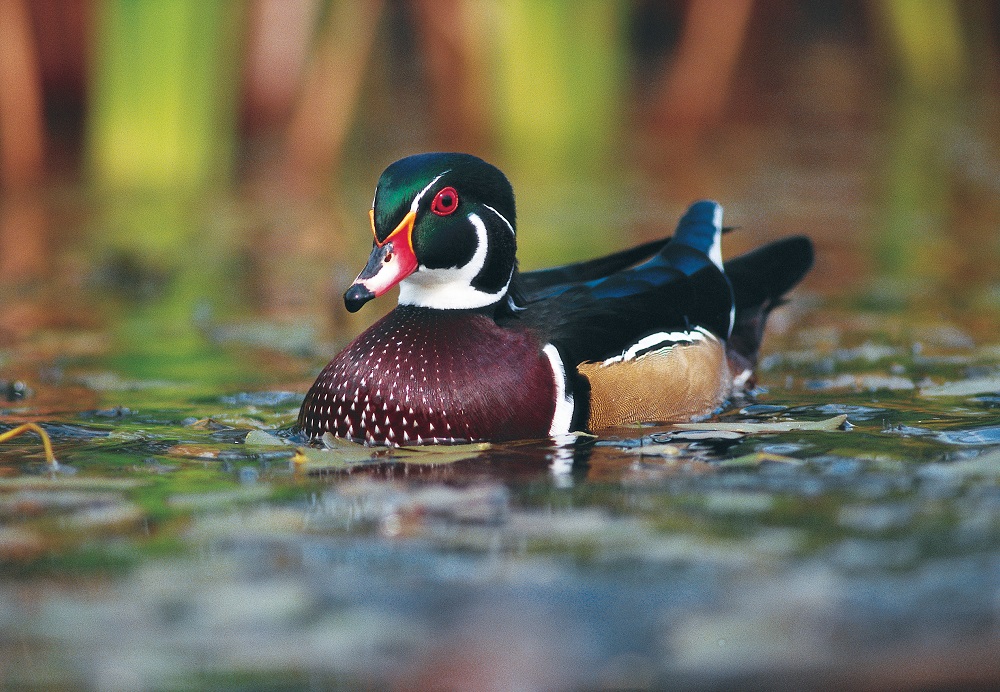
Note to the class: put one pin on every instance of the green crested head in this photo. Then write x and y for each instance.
(402, 182)
(444, 231)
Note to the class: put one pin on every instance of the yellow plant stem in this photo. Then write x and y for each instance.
(32, 427)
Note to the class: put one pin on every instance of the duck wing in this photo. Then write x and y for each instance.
(679, 287)
(538, 283)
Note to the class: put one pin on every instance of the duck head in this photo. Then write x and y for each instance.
(444, 231)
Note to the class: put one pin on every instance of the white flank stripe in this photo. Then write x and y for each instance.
(648, 343)
(715, 254)
(563, 416)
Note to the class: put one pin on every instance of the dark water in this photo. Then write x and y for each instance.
(178, 544)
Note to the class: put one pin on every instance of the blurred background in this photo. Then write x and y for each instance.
(182, 169)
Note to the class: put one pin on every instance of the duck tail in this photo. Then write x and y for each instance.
(701, 229)
(760, 279)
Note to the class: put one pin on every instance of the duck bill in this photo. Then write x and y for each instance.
(391, 261)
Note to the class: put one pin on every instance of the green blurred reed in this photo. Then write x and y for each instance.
(559, 70)
(164, 84)
(561, 77)
(161, 131)
(927, 42)
(930, 49)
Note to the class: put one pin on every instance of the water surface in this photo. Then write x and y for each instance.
(168, 344)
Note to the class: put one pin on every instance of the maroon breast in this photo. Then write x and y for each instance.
(421, 375)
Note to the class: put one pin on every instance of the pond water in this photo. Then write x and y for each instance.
(165, 346)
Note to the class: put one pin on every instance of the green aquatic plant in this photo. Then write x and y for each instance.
(163, 104)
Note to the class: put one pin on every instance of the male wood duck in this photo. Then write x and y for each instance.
(476, 350)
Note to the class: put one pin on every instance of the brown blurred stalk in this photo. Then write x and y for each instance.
(22, 220)
(278, 42)
(451, 35)
(694, 93)
(21, 123)
(319, 124)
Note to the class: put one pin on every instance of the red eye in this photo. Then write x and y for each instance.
(445, 202)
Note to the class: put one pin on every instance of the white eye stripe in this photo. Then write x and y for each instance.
(420, 195)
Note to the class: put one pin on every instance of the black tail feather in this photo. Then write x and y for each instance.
(760, 279)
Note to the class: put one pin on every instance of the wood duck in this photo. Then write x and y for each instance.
(476, 350)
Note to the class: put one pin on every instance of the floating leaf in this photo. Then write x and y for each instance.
(313, 459)
(224, 421)
(206, 424)
(756, 459)
(261, 438)
(695, 435)
(655, 450)
(830, 424)
(331, 441)
(970, 387)
(196, 451)
(440, 454)
(339, 453)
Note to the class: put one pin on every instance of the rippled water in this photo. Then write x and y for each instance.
(179, 543)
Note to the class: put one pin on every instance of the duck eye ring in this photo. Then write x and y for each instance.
(445, 201)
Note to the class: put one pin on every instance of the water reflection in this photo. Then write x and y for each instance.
(24, 240)
(913, 244)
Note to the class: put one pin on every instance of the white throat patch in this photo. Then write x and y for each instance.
(451, 288)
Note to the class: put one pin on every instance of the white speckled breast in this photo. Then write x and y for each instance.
(421, 375)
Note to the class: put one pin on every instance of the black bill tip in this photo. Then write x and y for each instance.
(356, 296)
